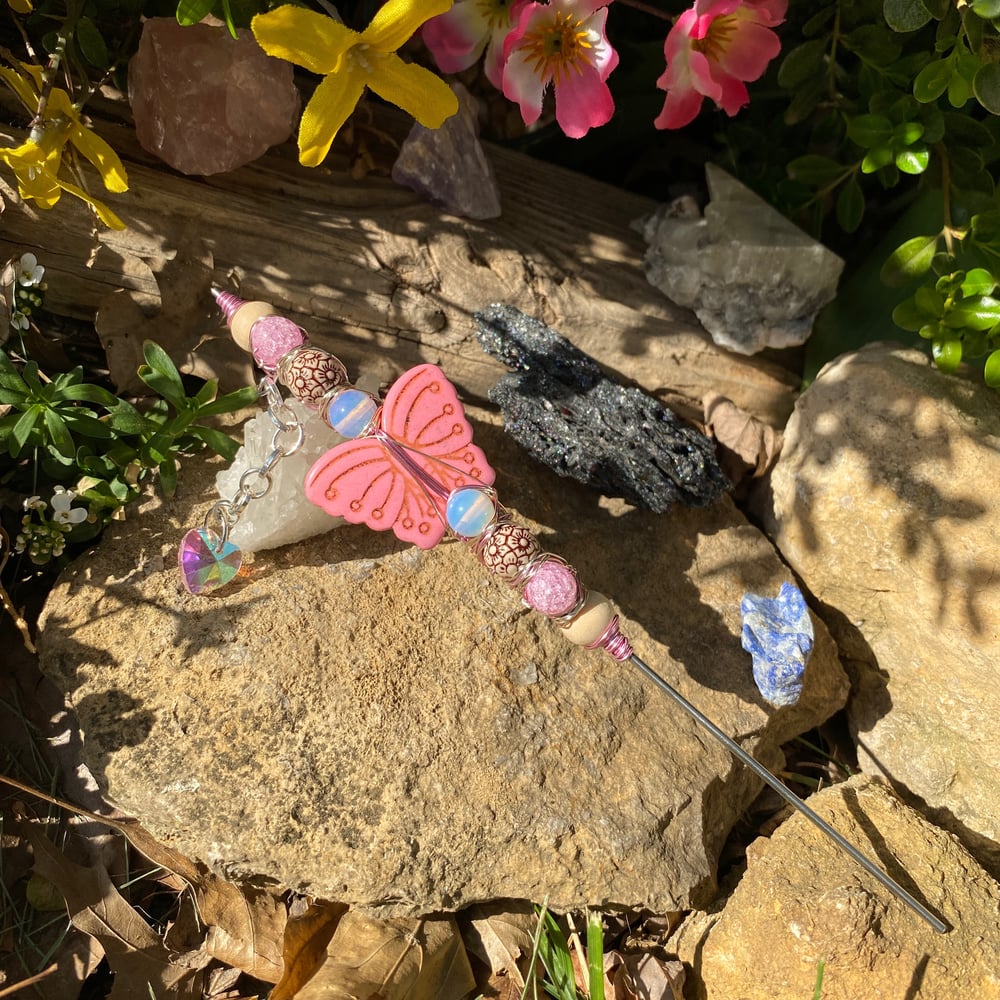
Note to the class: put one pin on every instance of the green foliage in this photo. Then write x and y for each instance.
(552, 949)
(67, 431)
(906, 101)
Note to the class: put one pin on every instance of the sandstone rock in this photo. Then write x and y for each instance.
(753, 278)
(885, 503)
(802, 901)
(365, 721)
(205, 102)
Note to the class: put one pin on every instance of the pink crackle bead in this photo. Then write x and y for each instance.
(272, 337)
(553, 589)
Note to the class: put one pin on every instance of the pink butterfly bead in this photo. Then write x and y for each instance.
(399, 474)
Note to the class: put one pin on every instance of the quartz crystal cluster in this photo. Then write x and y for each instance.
(753, 278)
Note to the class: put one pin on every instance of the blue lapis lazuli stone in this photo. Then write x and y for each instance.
(778, 634)
(351, 412)
(469, 511)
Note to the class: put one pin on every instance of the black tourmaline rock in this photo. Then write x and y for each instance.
(565, 411)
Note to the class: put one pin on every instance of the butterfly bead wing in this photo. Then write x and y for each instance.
(371, 481)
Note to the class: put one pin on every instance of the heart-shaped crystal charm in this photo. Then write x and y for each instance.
(206, 562)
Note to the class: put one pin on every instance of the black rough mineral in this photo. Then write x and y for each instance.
(564, 410)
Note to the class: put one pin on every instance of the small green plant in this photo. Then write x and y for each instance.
(76, 441)
(551, 948)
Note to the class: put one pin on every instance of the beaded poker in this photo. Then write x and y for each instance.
(409, 465)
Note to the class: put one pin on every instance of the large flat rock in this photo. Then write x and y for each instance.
(392, 728)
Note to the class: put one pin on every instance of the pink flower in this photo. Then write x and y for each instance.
(457, 38)
(562, 43)
(712, 51)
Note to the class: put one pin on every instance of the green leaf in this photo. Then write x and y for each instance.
(206, 393)
(907, 316)
(21, 431)
(168, 476)
(86, 393)
(947, 353)
(905, 15)
(991, 371)
(192, 11)
(553, 950)
(869, 130)
(88, 426)
(230, 403)
(815, 170)
(218, 441)
(907, 133)
(986, 87)
(595, 955)
(932, 81)
(913, 161)
(873, 44)
(980, 313)
(161, 375)
(59, 435)
(930, 331)
(850, 205)
(987, 9)
(801, 63)
(929, 301)
(910, 260)
(876, 159)
(959, 91)
(966, 131)
(126, 419)
(815, 24)
(978, 281)
(91, 43)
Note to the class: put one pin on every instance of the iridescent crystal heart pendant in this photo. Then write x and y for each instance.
(206, 561)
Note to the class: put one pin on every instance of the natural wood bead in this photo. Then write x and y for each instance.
(594, 617)
(244, 318)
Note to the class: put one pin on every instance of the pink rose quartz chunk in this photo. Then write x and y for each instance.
(204, 102)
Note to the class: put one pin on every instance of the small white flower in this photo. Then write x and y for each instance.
(19, 321)
(34, 503)
(31, 272)
(62, 512)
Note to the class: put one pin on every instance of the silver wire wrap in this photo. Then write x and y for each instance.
(256, 482)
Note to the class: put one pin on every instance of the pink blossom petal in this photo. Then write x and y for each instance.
(716, 8)
(583, 102)
(493, 64)
(679, 36)
(457, 38)
(603, 57)
(679, 109)
(702, 78)
(750, 49)
(733, 95)
(523, 86)
(769, 12)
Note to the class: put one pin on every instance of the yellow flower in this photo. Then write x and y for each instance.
(20, 6)
(36, 163)
(349, 61)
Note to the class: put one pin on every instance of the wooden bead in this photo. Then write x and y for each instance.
(244, 318)
(594, 617)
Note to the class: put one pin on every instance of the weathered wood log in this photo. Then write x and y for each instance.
(385, 279)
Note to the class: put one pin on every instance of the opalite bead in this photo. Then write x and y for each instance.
(553, 589)
(241, 317)
(351, 412)
(592, 621)
(310, 373)
(272, 337)
(469, 511)
(507, 549)
(206, 562)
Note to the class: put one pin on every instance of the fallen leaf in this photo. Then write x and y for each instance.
(134, 951)
(370, 959)
(304, 948)
(755, 444)
(500, 935)
(642, 976)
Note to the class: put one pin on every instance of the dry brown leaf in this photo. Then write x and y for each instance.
(500, 935)
(304, 948)
(371, 959)
(135, 952)
(501, 987)
(753, 442)
(642, 976)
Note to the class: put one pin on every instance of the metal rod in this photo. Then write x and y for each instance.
(793, 800)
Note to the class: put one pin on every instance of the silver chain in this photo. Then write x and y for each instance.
(256, 482)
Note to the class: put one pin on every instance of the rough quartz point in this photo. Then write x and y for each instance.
(283, 515)
(753, 278)
(448, 166)
(778, 634)
(205, 102)
(561, 407)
